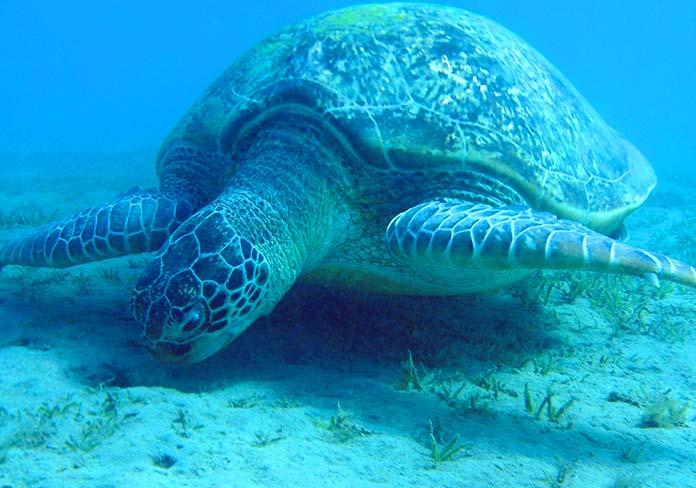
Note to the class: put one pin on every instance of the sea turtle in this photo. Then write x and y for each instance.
(400, 148)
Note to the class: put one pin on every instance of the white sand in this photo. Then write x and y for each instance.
(82, 404)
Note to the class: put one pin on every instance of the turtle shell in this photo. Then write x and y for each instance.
(423, 88)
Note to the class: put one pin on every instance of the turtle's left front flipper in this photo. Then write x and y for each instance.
(137, 221)
(462, 234)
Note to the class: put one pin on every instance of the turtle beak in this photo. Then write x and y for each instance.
(170, 352)
(202, 347)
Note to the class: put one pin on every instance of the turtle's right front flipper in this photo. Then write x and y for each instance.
(137, 221)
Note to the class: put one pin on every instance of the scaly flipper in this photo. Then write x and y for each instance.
(136, 221)
(461, 234)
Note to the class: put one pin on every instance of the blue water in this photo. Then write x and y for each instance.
(118, 74)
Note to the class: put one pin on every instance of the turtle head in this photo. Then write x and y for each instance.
(206, 285)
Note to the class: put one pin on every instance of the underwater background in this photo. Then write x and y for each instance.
(562, 380)
(118, 74)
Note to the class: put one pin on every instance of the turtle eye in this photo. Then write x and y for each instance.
(194, 319)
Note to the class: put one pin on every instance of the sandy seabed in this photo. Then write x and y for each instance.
(563, 380)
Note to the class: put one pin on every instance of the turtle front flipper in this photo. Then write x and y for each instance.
(465, 235)
(136, 221)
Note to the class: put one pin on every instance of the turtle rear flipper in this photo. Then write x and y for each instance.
(463, 234)
(136, 221)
